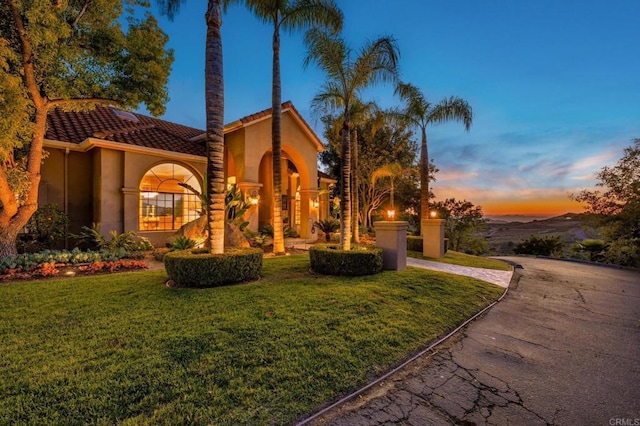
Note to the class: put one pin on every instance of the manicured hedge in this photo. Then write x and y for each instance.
(414, 243)
(200, 268)
(330, 260)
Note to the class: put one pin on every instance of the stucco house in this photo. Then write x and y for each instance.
(122, 170)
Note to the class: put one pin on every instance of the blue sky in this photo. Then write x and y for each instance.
(554, 86)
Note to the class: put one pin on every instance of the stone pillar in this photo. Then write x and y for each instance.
(432, 231)
(252, 215)
(391, 236)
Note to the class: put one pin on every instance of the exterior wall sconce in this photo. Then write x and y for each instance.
(433, 214)
(391, 214)
(254, 198)
(316, 204)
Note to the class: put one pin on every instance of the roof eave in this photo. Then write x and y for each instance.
(91, 143)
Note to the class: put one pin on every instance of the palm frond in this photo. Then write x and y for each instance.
(328, 100)
(416, 105)
(377, 62)
(265, 11)
(327, 51)
(452, 109)
(170, 8)
(391, 170)
(302, 14)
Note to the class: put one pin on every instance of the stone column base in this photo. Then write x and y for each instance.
(432, 231)
(391, 236)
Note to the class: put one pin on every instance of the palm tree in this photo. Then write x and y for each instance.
(360, 114)
(347, 76)
(392, 171)
(214, 98)
(289, 15)
(420, 113)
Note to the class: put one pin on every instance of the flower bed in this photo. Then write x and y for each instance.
(50, 263)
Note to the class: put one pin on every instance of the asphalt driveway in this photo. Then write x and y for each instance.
(563, 348)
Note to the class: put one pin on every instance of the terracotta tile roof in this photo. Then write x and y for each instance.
(323, 175)
(110, 124)
(103, 123)
(267, 113)
(288, 105)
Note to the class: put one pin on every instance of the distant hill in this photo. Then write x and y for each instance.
(503, 235)
(508, 218)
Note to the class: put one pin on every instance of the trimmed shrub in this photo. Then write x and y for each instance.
(414, 243)
(360, 260)
(200, 268)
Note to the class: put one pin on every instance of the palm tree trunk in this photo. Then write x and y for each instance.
(345, 188)
(354, 185)
(276, 145)
(215, 128)
(424, 177)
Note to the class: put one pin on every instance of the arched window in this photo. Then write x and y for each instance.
(165, 204)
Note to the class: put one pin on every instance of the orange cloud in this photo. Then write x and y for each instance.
(549, 206)
(536, 201)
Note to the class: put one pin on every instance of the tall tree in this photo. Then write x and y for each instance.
(288, 15)
(72, 55)
(463, 220)
(421, 113)
(378, 141)
(346, 78)
(616, 210)
(361, 113)
(214, 103)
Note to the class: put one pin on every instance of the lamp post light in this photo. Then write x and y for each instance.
(432, 231)
(391, 214)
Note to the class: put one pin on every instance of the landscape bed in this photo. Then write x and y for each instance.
(124, 348)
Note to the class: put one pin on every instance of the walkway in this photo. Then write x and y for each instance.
(501, 278)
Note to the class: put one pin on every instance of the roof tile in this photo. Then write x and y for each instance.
(102, 123)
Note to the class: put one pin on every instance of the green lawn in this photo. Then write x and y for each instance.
(462, 259)
(124, 348)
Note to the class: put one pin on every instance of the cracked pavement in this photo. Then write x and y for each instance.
(562, 348)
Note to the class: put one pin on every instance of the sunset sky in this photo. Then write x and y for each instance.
(554, 86)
